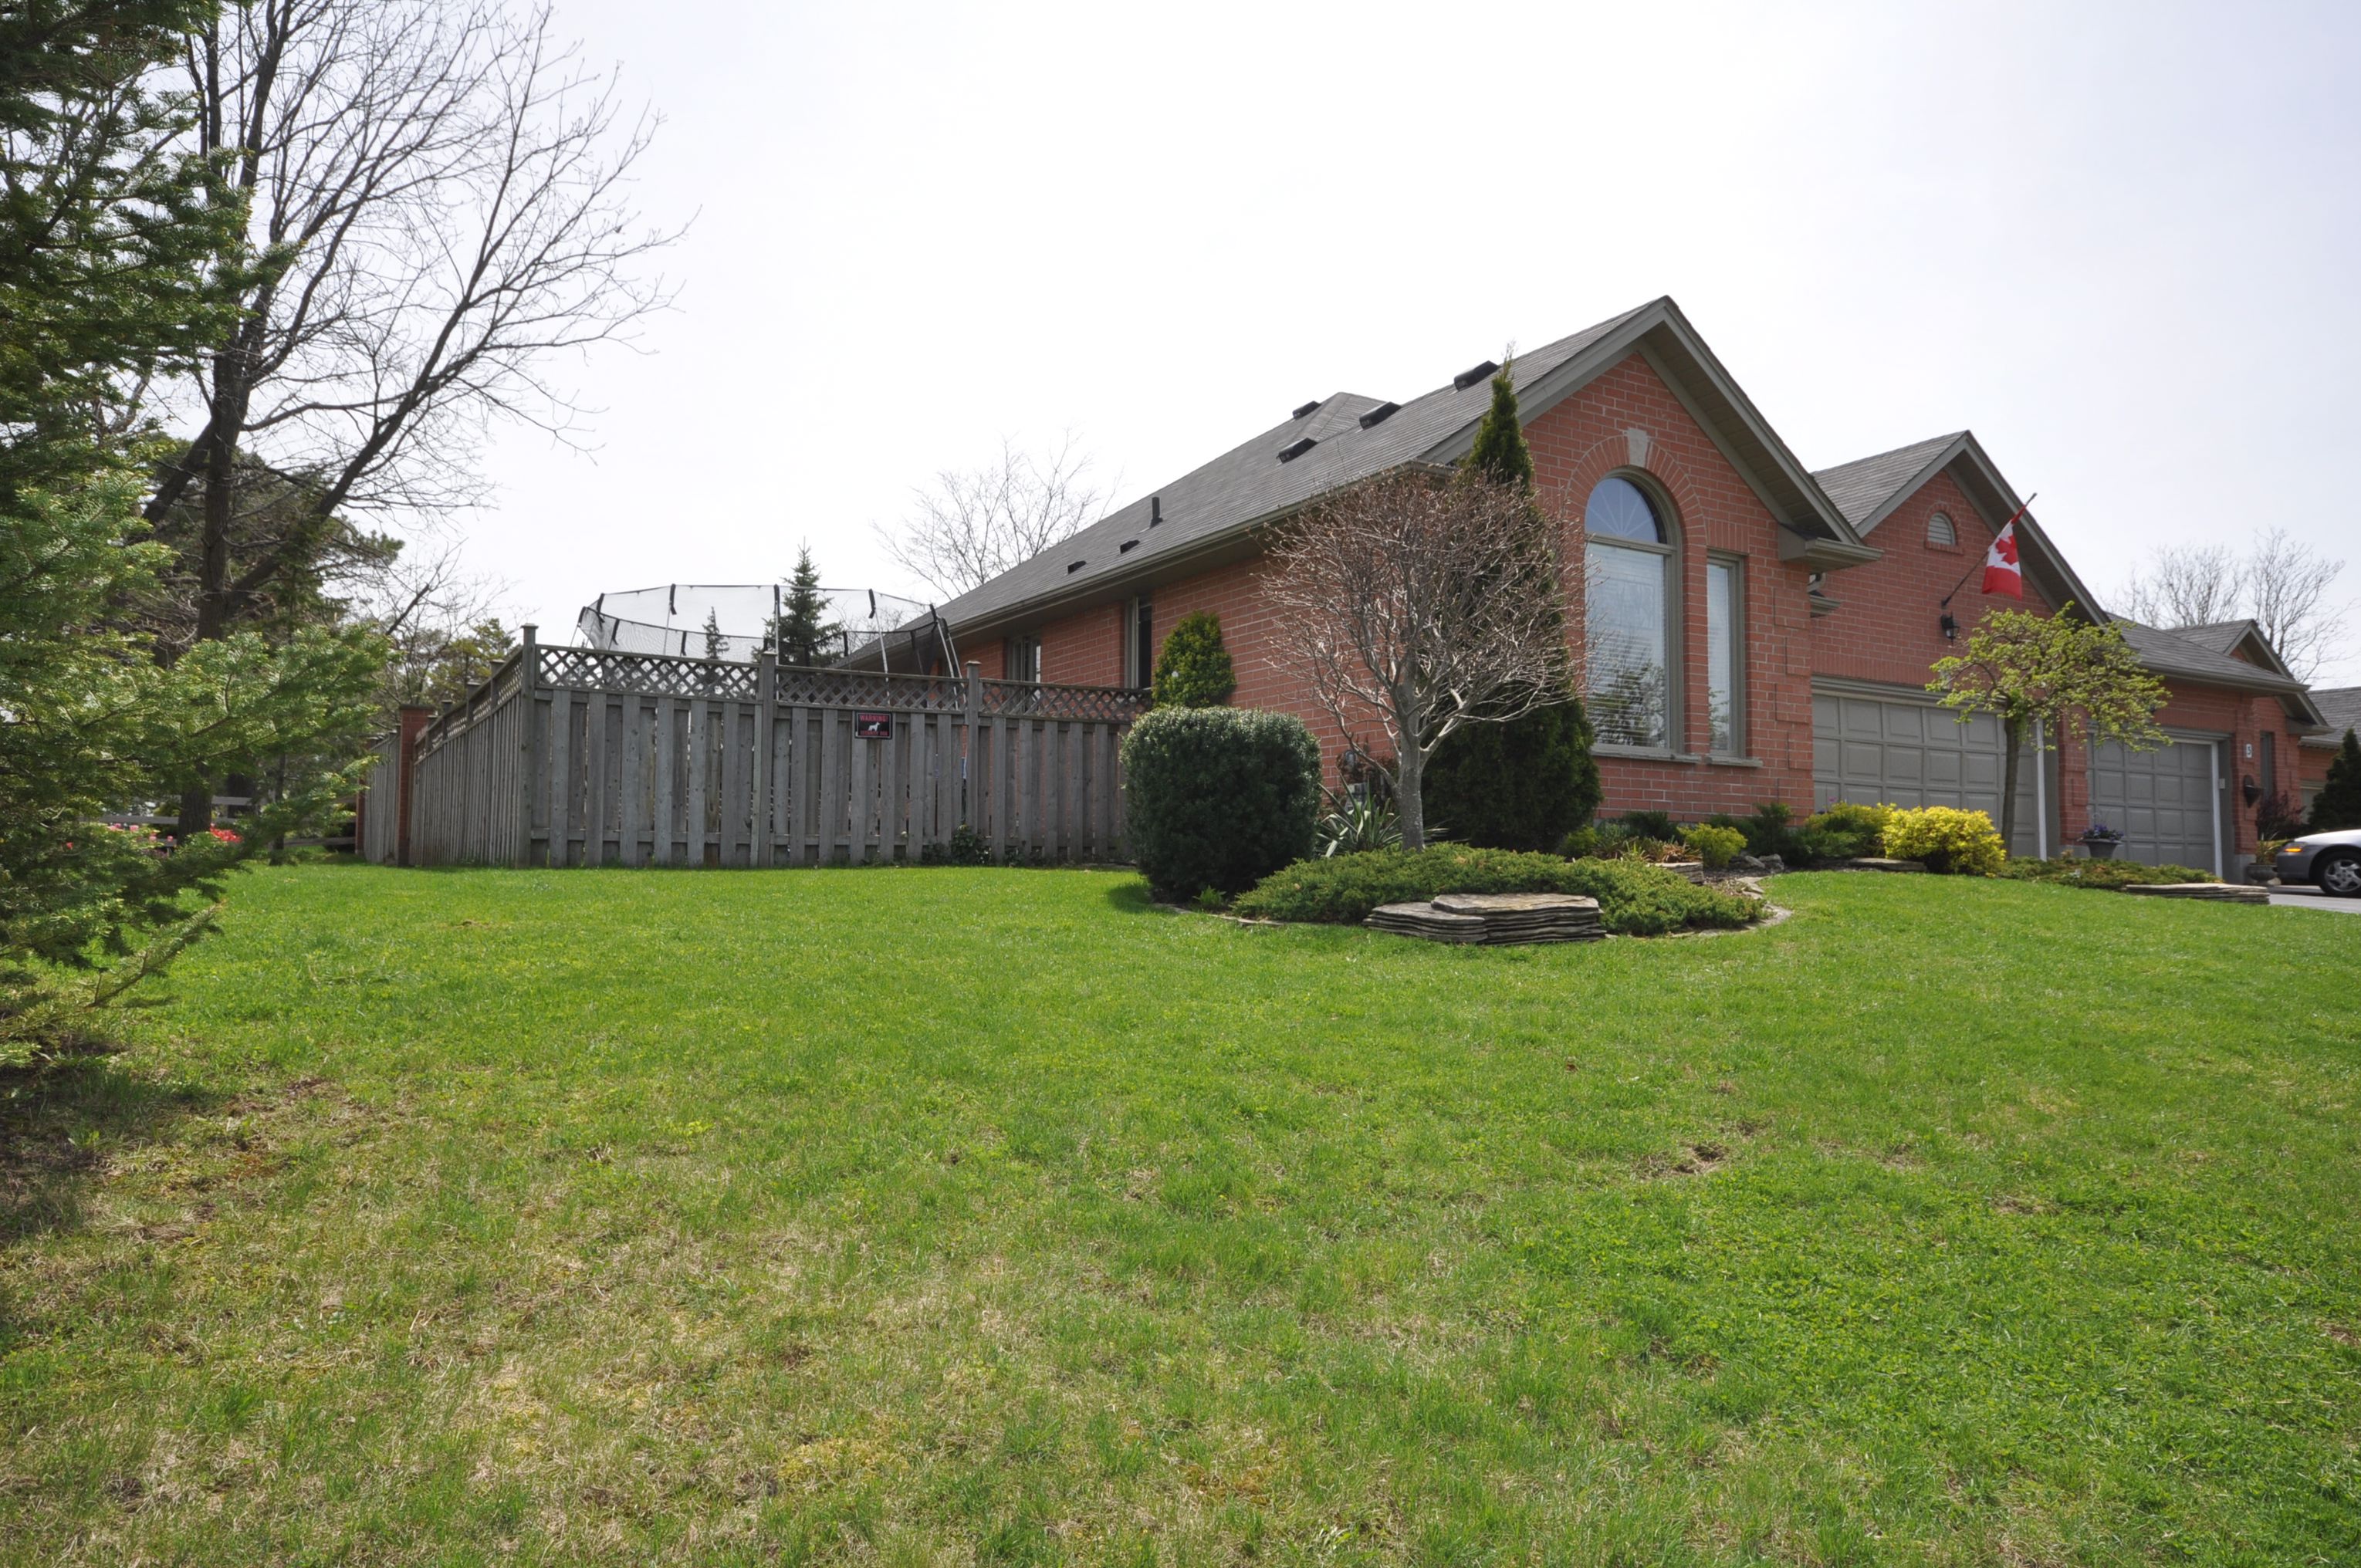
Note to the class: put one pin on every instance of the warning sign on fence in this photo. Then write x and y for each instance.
(872, 727)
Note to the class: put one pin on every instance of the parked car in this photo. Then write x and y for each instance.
(2329, 862)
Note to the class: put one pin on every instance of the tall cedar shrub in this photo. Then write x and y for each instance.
(1501, 454)
(1194, 670)
(2338, 804)
(1219, 797)
(1524, 784)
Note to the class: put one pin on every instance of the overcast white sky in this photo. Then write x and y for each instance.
(2117, 241)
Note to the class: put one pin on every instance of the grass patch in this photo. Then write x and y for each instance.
(977, 1216)
(1634, 900)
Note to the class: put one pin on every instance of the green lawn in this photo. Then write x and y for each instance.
(920, 1216)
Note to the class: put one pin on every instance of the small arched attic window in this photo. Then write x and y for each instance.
(1940, 531)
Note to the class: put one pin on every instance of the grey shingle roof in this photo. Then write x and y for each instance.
(2219, 635)
(1249, 483)
(1863, 485)
(2341, 705)
(2176, 653)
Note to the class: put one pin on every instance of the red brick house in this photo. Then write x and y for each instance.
(1757, 632)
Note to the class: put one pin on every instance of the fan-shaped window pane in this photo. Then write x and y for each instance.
(1618, 508)
(1941, 531)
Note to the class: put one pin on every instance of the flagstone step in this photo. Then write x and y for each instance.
(2216, 892)
(1493, 919)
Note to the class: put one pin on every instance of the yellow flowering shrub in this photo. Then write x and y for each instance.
(1945, 839)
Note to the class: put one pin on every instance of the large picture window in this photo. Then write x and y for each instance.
(1724, 615)
(1628, 562)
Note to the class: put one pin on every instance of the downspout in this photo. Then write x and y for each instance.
(2214, 758)
(2041, 794)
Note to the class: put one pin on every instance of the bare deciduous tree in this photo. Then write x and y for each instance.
(1427, 603)
(2279, 583)
(439, 199)
(976, 524)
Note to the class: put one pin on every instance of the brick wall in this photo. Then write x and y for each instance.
(1890, 626)
(1591, 435)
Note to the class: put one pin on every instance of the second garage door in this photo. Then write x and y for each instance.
(1903, 751)
(2163, 801)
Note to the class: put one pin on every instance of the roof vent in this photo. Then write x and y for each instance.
(1155, 510)
(1296, 448)
(1128, 546)
(1379, 414)
(1473, 374)
(1073, 566)
(1312, 407)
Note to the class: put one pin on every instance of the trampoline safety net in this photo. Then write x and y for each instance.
(730, 620)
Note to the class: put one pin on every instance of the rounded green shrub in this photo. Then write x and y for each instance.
(1524, 784)
(1717, 847)
(1847, 830)
(1218, 797)
(1195, 669)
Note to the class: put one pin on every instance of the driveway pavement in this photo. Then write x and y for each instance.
(2312, 898)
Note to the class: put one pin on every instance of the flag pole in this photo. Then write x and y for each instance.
(1996, 533)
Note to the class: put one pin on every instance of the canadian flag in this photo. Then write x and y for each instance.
(2002, 574)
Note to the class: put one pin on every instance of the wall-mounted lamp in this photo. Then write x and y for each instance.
(1950, 628)
(2249, 788)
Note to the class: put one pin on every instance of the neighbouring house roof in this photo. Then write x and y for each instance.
(2340, 707)
(1870, 489)
(2230, 636)
(1351, 437)
(2222, 636)
(2176, 654)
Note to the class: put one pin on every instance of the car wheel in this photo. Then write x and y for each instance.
(2339, 874)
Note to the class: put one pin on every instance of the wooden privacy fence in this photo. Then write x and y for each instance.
(572, 756)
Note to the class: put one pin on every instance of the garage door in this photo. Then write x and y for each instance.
(1905, 752)
(2163, 800)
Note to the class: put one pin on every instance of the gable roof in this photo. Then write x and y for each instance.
(1874, 488)
(2229, 636)
(1213, 508)
(1862, 487)
(2339, 709)
(2192, 658)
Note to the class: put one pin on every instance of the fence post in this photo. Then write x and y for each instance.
(530, 787)
(766, 691)
(969, 797)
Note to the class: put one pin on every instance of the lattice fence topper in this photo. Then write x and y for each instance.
(1012, 699)
(864, 688)
(655, 674)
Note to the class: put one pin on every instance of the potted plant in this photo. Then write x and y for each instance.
(2101, 841)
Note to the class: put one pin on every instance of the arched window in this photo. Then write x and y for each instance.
(1628, 562)
(1941, 531)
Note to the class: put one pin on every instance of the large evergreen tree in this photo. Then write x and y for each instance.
(804, 633)
(2338, 804)
(112, 250)
(1527, 783)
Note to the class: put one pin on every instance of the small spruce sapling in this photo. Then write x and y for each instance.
(1195, 669)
